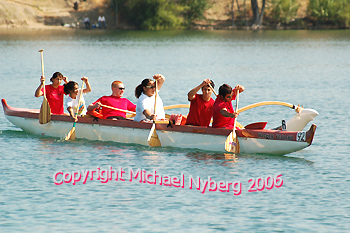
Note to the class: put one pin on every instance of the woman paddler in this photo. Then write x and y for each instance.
(54, 92)
(146, 92)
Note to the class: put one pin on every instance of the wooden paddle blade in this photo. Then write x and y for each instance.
(70, 135)
(45, 112)
(153, 139)
(232, 144)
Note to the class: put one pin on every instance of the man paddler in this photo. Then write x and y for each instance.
(201, 105)
(223, 113)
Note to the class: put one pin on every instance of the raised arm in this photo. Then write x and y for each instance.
(191, 94)
(240, 88)
(65, 79)
(38, 91)
(160, 80)
(88, 87)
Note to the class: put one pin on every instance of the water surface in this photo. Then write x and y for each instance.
(310, 68)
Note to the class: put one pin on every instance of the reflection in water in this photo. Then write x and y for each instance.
(203, 156)
(275, 157)
(229, 158)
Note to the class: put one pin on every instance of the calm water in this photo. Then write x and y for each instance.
(299, 67)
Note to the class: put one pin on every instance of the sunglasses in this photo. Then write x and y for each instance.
(149, 87)
(121, 88)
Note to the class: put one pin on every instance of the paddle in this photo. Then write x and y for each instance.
(45, 111)
(212, 89)
(71, 134)
(176, 106)
(153, 139)
(127, 111)
(232, 144)
(118, 109)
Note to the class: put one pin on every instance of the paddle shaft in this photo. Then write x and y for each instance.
(155, 100)
(153, 139)
(117, 109)
(45, 111)
(81, 94)
(234, 124)
(212, 89)
(71, 133)
(42, 69)
(231, 143)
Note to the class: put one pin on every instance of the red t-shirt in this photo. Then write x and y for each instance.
(116, 102)
(55, 98)
(200, 112)
(219, 121)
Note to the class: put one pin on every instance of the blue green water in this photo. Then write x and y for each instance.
(310, 68)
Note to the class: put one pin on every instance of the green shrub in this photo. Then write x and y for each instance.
(284, 11)
(194, 10)
(152, 14)
(330, 11)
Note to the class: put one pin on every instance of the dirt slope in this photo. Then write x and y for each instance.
(50, 13)
(55, 13)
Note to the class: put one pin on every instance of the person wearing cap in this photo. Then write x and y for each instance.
(54, 92)
(201, 105)
(223, 113)
(115, 100)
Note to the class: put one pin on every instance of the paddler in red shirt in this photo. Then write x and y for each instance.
(115, 100)
(201, 107)
(54, 92)
(223, 113)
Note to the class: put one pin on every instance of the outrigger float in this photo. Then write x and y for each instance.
(253, 138)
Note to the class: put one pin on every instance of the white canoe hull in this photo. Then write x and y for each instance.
(250, 141)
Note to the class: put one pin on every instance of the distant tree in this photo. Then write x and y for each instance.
(194, 9)
(257, 14)
(114, 5)
(152, 14)
(284, 11)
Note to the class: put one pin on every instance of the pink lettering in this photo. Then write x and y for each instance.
(55, 178)
(76, 179)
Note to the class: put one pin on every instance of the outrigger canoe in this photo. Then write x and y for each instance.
(251, 140)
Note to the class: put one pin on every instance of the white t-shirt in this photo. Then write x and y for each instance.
(73, 103)
(146, 102)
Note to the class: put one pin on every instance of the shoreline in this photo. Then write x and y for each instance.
(43, 27)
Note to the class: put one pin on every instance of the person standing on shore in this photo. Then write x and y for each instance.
(101, 22)
(87, 22)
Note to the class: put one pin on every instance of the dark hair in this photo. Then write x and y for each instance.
(55, 75)
(225, 89)
(211, 83)
(139, 89)
(68, 87)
